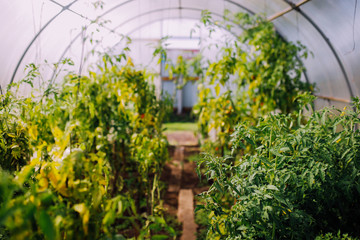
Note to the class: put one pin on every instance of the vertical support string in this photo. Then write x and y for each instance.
(83, 39)
(265, 8)
(353, 29)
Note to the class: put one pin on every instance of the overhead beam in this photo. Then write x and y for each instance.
(326, 39)
(285, 11)
(333, 99)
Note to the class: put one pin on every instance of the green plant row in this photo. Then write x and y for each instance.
(293, 180)
(257, 73)
(84, 161)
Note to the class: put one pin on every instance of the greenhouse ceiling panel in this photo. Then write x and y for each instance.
(52, 30)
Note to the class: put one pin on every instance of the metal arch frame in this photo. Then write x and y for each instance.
(328, 42)
(64, 8)
(67, 8)
(195, 9)
(164, 9)
(229, 1)
(149, 23)
(127, 21)
(240, 6)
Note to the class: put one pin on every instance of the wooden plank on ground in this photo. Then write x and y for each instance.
(186, 214)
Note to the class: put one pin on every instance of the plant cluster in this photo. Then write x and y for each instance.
(14, 146)
(185, 69)
(257, 73)
(85, 161)
(295, 180)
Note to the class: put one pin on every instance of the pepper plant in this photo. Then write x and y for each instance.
(96, 154)
(14, 149)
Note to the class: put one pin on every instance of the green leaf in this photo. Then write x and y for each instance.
(234, 188)
(345, 153)
(336, 139)
(280, 199)
(242, 228)
(284, 149)
(250, 141)
(264, 160)
(218, 187)
(289, 146)
(323, 117)
(198, 172)
(159, 237)
(272, 187)
(276, 153)
(117, 237)
(46, 225)
(311, 179)
(199, 207)
(217, 89)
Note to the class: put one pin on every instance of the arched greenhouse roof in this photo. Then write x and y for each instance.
(37, 30)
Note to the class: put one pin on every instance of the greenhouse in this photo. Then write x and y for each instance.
(180, 119)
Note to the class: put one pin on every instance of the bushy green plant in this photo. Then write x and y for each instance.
(14, 149)
(258, 72)
(330, 236)
(97, 152)
(294, 182)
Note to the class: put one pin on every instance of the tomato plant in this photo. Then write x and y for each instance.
(296, 180)
(257, 73)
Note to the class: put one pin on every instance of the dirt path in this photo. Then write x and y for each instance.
(182, 181)
(182, 138)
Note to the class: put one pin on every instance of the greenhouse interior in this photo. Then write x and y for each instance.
(180, 119)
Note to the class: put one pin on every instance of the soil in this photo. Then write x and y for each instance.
(182, 138)
(180, 176)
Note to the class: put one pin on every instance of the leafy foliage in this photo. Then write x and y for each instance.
(93, 154)
(258, 73)
(338, 236)
(296, 180)
(14, 149)
(186, 69)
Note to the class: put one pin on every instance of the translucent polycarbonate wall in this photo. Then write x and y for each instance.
(33, 31)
